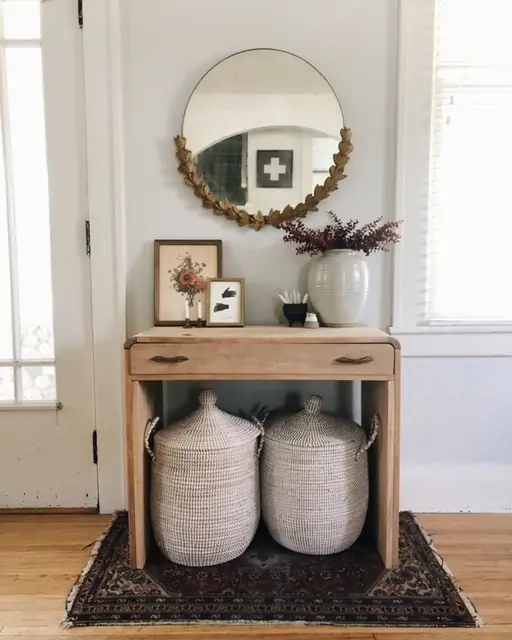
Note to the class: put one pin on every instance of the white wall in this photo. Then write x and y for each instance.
(166, 50)
(456, 425)
(457, 435)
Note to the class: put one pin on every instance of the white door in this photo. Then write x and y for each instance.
(46, 363)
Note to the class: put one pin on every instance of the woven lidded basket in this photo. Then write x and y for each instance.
(205, 503)
(314, 480)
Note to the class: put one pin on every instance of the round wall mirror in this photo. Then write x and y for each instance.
(261, 138)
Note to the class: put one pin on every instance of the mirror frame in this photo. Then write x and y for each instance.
(274, 217)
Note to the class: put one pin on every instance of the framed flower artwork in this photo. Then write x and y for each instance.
(182, 270)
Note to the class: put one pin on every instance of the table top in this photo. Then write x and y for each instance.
(262, 333)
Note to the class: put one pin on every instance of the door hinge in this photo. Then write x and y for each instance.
(87, 238)
(80, 14)
(95, 447)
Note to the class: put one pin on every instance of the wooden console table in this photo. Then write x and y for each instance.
(266, 353)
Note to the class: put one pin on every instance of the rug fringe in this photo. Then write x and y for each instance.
(478, 620)
(66, 622)
(359, 626)
(354, 626)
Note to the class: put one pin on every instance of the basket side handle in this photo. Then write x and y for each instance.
(367, 443)
(149, 431)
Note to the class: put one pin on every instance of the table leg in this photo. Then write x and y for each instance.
(142, 404)
(382, 398)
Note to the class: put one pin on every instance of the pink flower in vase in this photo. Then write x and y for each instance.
(188, 278)
(201, 285)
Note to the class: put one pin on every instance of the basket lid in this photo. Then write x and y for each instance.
(208, 428)
(311, 427)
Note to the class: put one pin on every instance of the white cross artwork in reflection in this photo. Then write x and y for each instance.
(274, 169)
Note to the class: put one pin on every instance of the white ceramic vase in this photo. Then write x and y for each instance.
(338, 286)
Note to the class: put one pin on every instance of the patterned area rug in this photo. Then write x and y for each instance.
(270, 585)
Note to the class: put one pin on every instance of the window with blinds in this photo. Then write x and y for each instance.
(470, 183)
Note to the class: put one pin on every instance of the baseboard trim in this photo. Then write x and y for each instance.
(456, 488)
(64, 511)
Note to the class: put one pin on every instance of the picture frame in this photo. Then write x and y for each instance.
(181, 272)
(225, 302)
(274, 169)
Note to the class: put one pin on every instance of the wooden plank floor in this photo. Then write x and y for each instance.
(40, 557)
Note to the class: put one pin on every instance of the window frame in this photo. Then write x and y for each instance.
(415, 88)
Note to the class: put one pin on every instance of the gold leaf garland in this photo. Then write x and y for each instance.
(274, 217)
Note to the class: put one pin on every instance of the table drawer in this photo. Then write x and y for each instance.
(266, 359)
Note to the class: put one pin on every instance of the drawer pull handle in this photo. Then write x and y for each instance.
(348, 360)
(169, 359)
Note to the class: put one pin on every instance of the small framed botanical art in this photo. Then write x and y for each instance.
(182, 269)
(225, 302)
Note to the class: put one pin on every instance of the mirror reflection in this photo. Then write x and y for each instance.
(263, 126)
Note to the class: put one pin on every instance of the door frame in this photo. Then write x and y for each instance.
(103, 91)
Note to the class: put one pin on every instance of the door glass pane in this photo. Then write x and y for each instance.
(38, 383)
(5, 285)
(6, 384)
(36, 343)
(26, 115)
(22, 19)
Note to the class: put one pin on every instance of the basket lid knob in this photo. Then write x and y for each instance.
(313, 404)
(207, 398)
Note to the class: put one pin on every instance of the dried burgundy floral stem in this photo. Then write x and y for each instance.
(368, 238)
